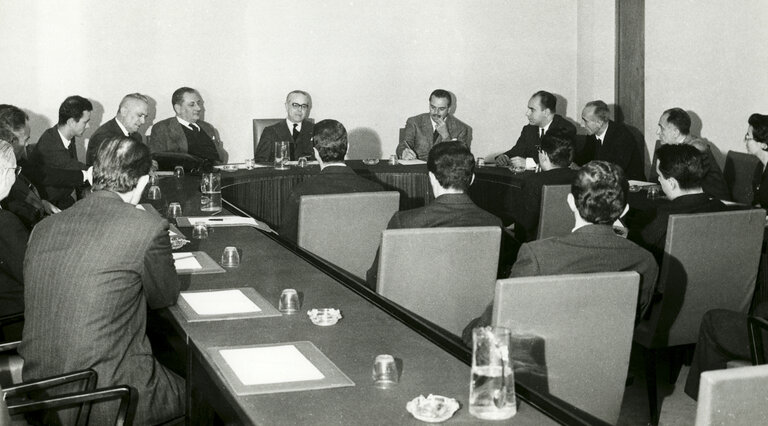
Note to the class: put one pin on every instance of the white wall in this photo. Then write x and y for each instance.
(708, 57)
(596, 54)
(369, 64)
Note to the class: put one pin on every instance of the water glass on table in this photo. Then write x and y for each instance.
(281, 155)
(154, 193)
(210, 186)
(492, 387)
(385, 374)
(289, 301)
(200, 231)
(178, 172)
(174, 211)
(230, 258)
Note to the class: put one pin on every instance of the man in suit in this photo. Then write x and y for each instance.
(186, 132)
(681, 170)
(296, 129)
(674, 128)
(91, 272)
(13, 238)
(56, 148)
(438, 125)
(131, 114)
(555, 157)
(335, 177)
(610, 141)
(542, 120)
(598, 198)
(451, 172)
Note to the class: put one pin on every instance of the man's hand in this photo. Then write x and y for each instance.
(88, 175)
(50, 208)
(503, 160)
(442, 128)
(518, 162)
(408, 154)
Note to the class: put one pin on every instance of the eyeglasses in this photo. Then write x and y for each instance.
(305, 107)
(748, 137)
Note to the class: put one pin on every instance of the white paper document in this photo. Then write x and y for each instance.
(641, 183)
(411, 162)
(224, 220)
(296, 163)
(270, 364)
(185, 261)
(163, 173)
(220, 302)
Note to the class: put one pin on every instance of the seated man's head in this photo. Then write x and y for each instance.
(7, 164)
(756, 138)
(541, 108)
(74, 116)
(555, 152)
(440, 102)
(674, 125)
(598, 194)
(595, 116)
(122, 166)
(451, 168)
(15, 120)
(680, 168)
(133, 111)
(298, 104)
(330, 140)
(187, 104)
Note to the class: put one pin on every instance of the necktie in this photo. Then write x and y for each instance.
(435, 136)
(72, 149)
(541, 133)
(599, 141)
(295, 131)
(194, 127)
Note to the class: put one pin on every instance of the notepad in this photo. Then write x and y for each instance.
(220, 302)
(640, 183)
(185, 261)
(411, 162)
(270, 364)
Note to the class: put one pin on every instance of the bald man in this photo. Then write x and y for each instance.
(131, 114)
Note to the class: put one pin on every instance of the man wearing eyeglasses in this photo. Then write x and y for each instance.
(438, 125)
(187, 132)
(296, 129)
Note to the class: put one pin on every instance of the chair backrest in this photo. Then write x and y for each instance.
(583, 324)
(258, 127)
(401, 135)
(445, 275)
(345, 229)
(710, 262)
(741, 171)
(555, 217)
(735, 396)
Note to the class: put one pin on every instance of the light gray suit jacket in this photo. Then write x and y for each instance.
(168, 136)
(419, 132)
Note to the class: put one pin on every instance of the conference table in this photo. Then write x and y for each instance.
(431, 361)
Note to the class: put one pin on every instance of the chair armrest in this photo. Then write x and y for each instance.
(114, 392)
(88, 375)
(756, 327)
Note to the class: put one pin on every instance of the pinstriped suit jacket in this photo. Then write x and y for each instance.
(419, 134)
(90, 274)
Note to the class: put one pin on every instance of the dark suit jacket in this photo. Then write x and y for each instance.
(168, 136)
(51, 153)
(713, 182)
(265, 151)
(446, 211)
(419, 134)
(529, 137)
(90, 274)
(526, 212)
(619, 147)
(761, 188)
(650, 230)
(589, 249)
(330, 180)
(13, 245)
(106, 131)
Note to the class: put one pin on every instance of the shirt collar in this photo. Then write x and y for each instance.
(290, 124)
(601, 136)
(125, 131)
(547, 126)
(184, 122)
(64, 140)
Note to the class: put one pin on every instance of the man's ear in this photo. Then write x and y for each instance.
(433, 179)
(317, 155)
(571, 202)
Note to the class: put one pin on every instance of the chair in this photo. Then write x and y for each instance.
(556, 218)
(740, 173)
(445, 275)
(84, 397)
(735, 396)
(696, 276)
(584, 326)
(345, 229)
(258, 127)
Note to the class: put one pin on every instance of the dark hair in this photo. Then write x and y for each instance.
(683, 162)
(6, 135)
(452, 164)
(119, 164)
(559, 150)
(300, 92)
(547, 100)
(12, 117)
(680, 119)
(601, 110)
(330, 140)
(759, 125)
(178, 96)
(600, 192)
(440, 93)
(73, 107)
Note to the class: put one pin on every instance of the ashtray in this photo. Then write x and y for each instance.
(229, 167)
(432, 409)
(635, 188)
(178, 242)
(371, 161)
(324, 317)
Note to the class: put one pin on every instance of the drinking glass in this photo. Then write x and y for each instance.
(281, 155)
(230, 258)
(289, 301)
(154, 193)
(385, 374)
(178, 172)
(210, 186)
(492, 387)
(200, 231)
